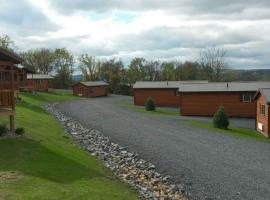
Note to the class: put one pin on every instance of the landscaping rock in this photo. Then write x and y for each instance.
(140, 174)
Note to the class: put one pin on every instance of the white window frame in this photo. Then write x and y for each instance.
(243, 97)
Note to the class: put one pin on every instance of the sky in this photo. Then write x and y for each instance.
(153, 29)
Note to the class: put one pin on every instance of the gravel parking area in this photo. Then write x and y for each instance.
(210, 165)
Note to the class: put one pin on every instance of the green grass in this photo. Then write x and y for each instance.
(237, 132)
(47, 164)
(140, 109)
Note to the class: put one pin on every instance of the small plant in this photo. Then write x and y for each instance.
(20, 131)
(3, 129)
(221, 119)
(150, 105)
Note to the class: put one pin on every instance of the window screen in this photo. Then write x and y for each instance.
(262, 109)
(246, 97)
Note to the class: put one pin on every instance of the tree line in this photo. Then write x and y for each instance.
(211, 65)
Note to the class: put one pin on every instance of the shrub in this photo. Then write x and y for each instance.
(150, 105)
(19, 131)
(3, 129)
(221, 119)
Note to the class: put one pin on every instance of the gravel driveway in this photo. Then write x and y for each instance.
(210, 165)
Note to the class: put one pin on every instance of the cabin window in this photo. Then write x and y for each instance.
(39, 81)
(262, 109)
(246, 97)
(4, 76)
(80, 90)
(90, 90)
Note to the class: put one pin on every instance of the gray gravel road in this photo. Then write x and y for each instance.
(210, 165)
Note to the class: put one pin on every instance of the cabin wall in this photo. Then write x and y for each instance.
(206, 104)
(98, 91)
(94, 91)
(39, 84)
(80, 90)
(161, 97)
(7, 85)
(262, 119)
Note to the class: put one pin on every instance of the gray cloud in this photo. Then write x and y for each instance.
(21, 14)
(228, 8)
(247, 45)
(162, 38)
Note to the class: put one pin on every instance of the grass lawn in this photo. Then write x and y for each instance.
(48, 165)
(141, 109)
(237, 132)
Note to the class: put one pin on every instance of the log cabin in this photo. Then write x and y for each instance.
(39, 82)
(164, 93)
(20, 79)
(262, 98)
(91, 89)
(204, 99)
(8, 68)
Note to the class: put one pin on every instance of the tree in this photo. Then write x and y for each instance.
(39, 60)
(88, 66)
(6, 42)
(29, 61)
(152, 70)
(212, 61)
(188, 71)
(111, 71)
(168, 71)
(221, 120)
(63, 64)
(136, 70)
(150, 105)
(45, 60)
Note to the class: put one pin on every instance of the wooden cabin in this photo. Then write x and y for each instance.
(8, 68)
(91, 89)
(262, 98)
(39, 82)
(164, 93)
(20, 79)
(204, 99)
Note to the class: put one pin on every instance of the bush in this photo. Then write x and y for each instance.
(221, 119)
(3, 129)
(150, 105)
(19, 131)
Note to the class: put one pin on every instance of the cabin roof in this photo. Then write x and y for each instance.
(251, 86)
(94, 83)
(163, 84)
(265, 92)
(6, 55)
(39, 76)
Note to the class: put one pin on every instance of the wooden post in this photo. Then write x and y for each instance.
(11, 117)
(12, 123)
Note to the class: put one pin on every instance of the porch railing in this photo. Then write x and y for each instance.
(25, 84)
(6, 98)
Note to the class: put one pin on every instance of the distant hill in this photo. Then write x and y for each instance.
(77, 77)
(253, 75)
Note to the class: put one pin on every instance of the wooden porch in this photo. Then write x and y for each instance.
(7, 88)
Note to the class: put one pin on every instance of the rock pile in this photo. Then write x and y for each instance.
(140, 174)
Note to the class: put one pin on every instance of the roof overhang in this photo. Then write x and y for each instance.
(7, 55)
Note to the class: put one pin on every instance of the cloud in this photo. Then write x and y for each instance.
(22, 13)
(154, 29)
(192, 7)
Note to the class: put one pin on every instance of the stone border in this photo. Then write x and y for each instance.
(138, 173)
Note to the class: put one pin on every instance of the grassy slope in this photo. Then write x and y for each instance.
(49, 165)
(237, 132)
(158, 111)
